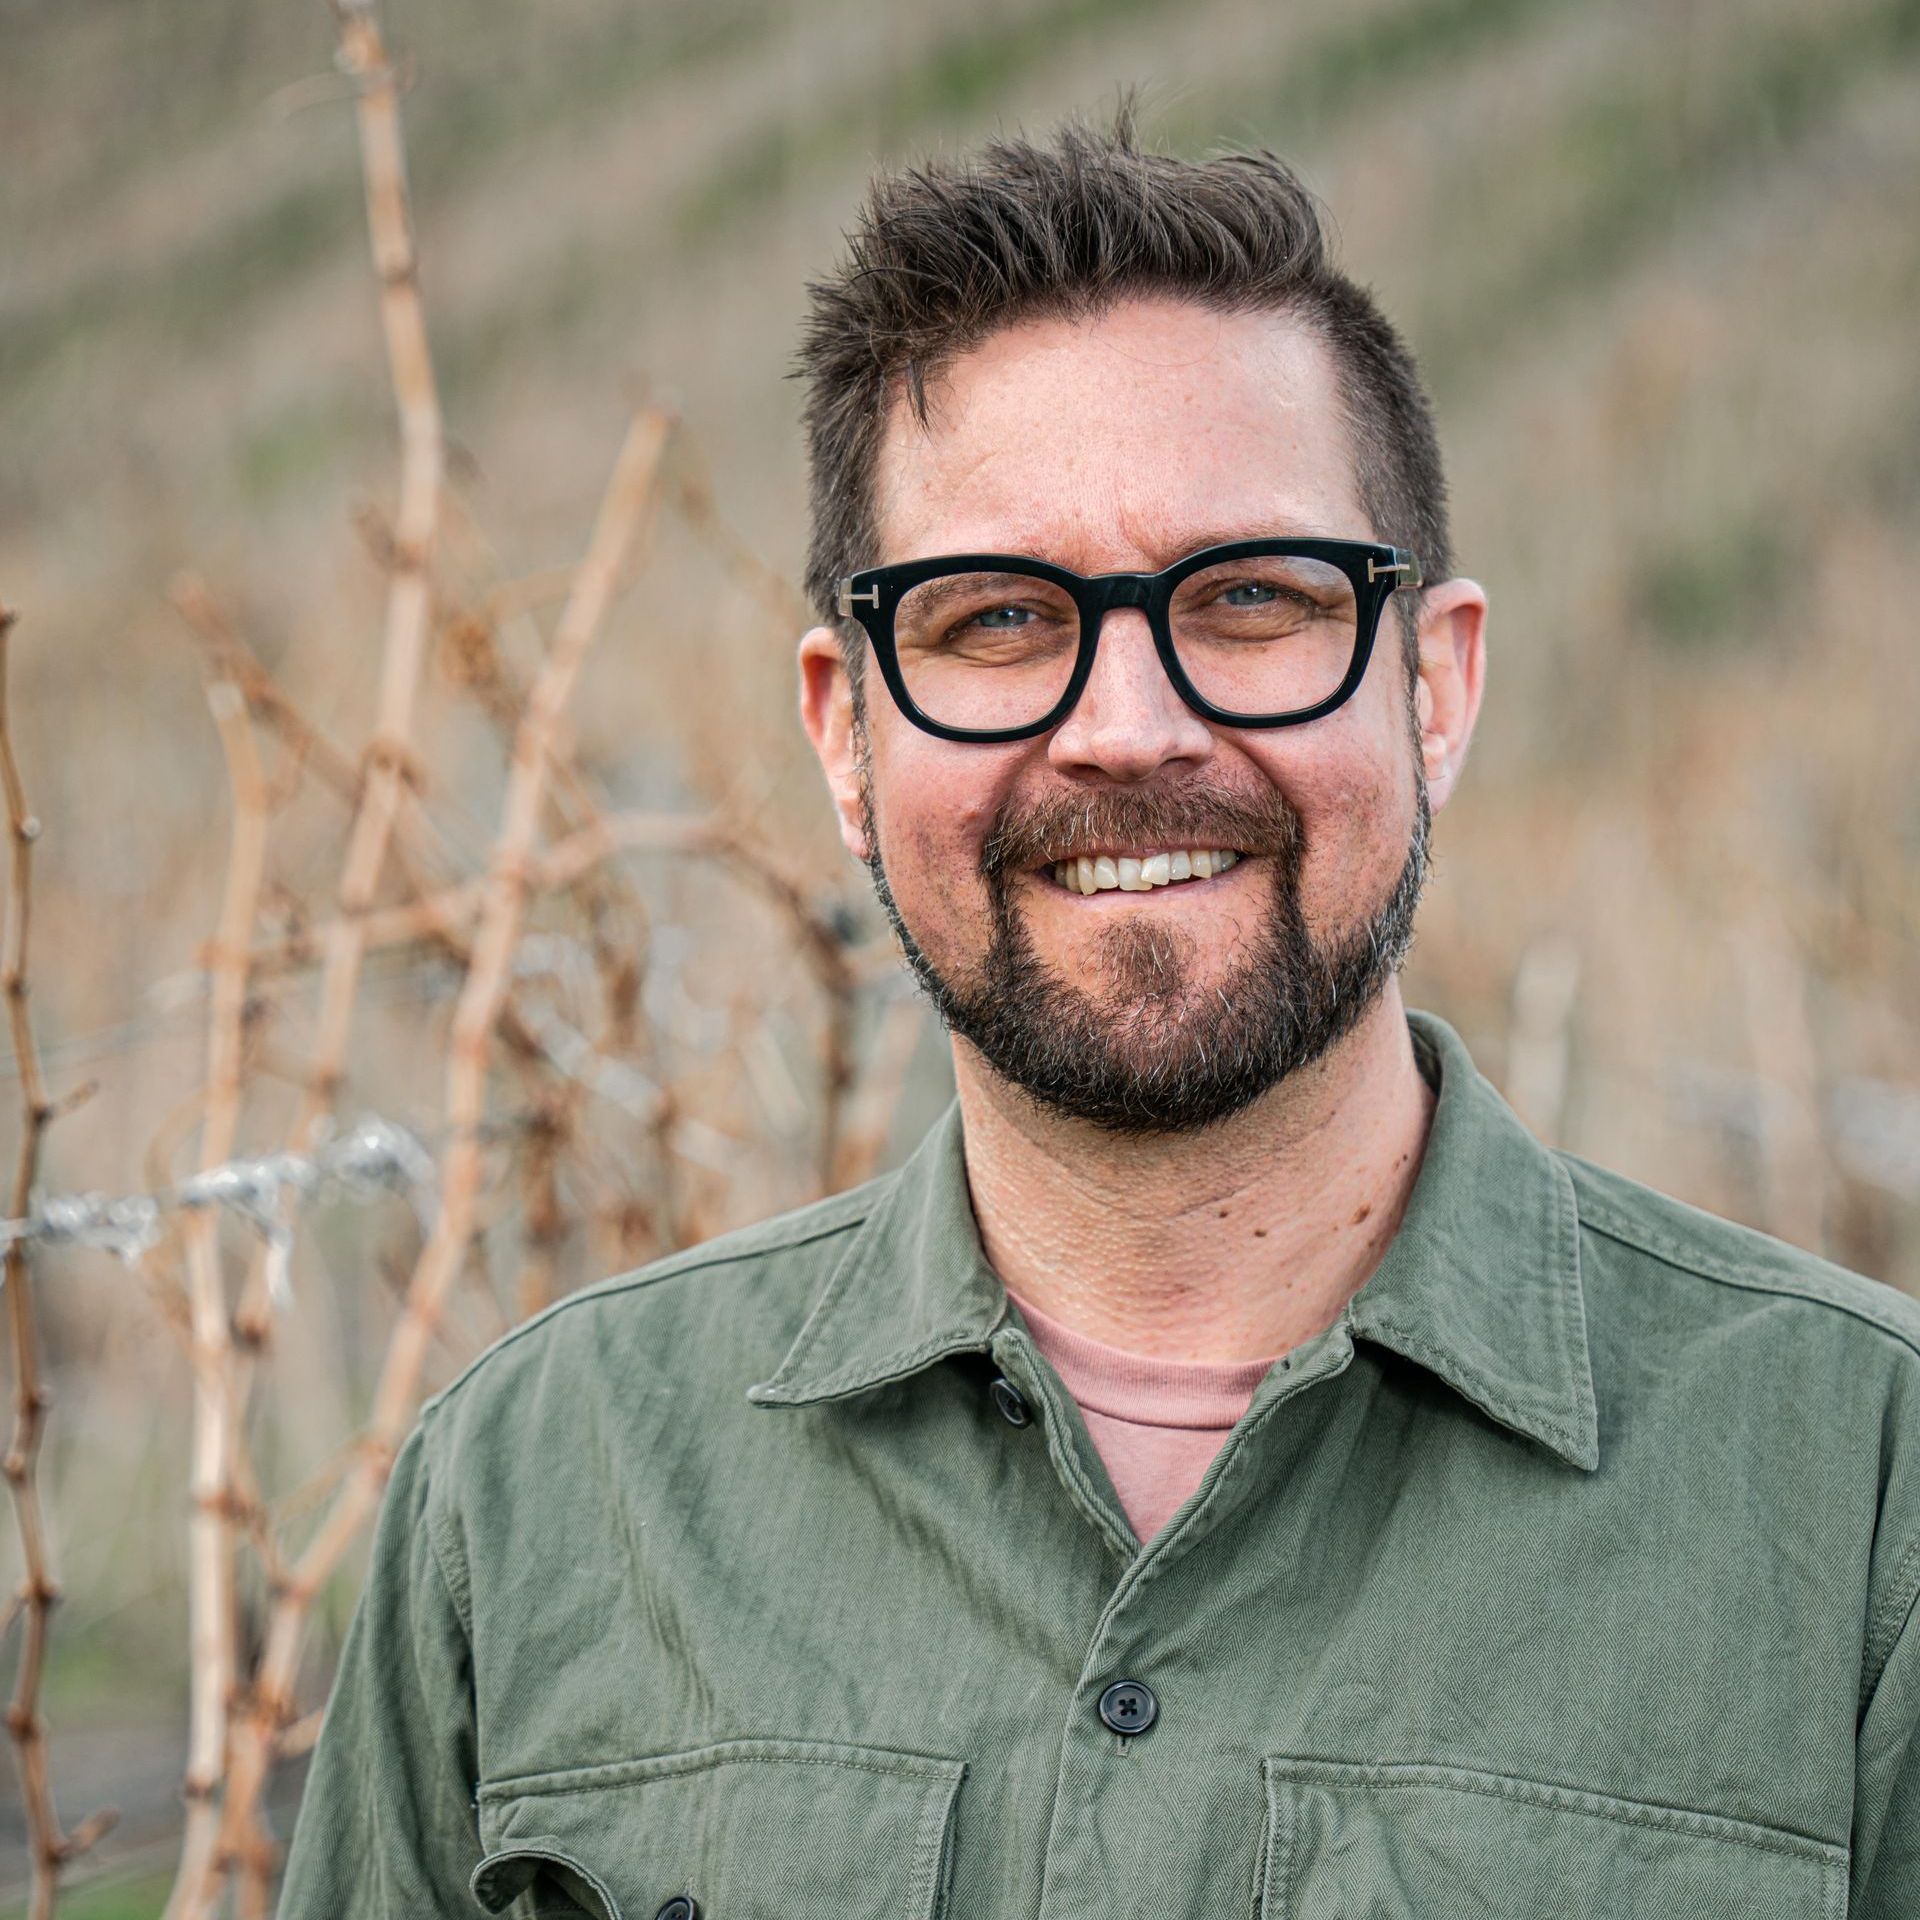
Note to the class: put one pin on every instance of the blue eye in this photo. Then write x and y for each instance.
(1277, 595)
(984, 617)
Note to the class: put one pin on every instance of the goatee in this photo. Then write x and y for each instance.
(1143, 1047)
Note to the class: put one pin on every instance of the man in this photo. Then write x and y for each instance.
(1231, 1467)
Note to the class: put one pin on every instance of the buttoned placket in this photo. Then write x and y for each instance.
(837, 1618)
(1487, 1300)
(1106, 1776)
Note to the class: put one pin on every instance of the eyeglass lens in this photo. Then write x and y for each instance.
(1263, 636)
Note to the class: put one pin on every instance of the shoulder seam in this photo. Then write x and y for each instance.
(1889, 1619)
(433, 1511)
(671, 1267)
(1605, 1218)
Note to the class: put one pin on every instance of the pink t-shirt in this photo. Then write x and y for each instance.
(1156, 1423)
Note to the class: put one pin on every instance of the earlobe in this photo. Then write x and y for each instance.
(826, 712)
(1452, 667)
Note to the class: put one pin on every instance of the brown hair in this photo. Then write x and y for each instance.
(947, 253)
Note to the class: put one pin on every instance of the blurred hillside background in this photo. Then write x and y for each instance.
(1658, 258)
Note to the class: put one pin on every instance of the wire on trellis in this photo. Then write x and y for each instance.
(370, 1158)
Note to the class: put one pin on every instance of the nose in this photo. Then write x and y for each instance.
(1129, 720)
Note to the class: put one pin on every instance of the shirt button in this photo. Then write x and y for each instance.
(681, 1907)
(1011, 1402)
(1128, 1706)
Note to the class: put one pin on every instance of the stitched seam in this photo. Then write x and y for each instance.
(812, 1327)
(1290, 1884)
(536, 1850)
(1068, 1463)
(1645, 1239)
(1572, 1298)
(633, 1282)
(1053, 1405)
(838, 1282)
(924, 1885)
(892, 1366)
(917, 1876)
(1578, 1800)
(1274, 1894)
(631, 1772)
(1257, 1906)
(452, 1577)
(1445, 1365)
(1889, 1619)
(1232, 1459)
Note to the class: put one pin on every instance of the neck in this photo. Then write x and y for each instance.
(1234, 1243)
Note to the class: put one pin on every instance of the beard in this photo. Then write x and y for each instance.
(1145, 1047)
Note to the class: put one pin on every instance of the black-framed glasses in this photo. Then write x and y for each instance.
(1255, 633)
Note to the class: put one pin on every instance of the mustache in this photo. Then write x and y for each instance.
(1063, 826)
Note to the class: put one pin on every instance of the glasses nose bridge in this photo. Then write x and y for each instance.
(1113, 592)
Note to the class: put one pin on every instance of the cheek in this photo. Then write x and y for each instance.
(1354, 798)
(1359, 800)
(926, 868)
(1342, 775)
(934, 811)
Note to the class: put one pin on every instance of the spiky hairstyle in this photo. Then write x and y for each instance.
(945, 254)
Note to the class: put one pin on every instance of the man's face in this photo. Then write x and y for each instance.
(1121, 445)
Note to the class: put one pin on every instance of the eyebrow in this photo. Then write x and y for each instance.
(942, 592)
(1028, 544)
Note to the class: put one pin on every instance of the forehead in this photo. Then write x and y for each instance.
(1122, 441)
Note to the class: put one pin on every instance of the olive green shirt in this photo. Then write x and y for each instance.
(1570, 1574)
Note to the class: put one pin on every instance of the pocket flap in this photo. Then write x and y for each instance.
(1405, 1842)
(559, 1884)
(751, 1829)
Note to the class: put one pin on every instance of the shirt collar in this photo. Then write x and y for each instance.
(1480, 1286)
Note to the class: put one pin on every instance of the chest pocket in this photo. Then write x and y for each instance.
(746, 1829)
(1391, 1842)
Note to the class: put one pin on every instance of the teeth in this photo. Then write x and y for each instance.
(1128, 874)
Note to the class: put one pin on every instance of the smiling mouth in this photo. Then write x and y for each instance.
(1139, 873)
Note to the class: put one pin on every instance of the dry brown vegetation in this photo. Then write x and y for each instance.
(486, 812)
(546, 884)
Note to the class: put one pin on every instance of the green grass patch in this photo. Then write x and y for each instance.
(290, 446)
(462, 120)
(1350, 66)
(452, 124)
(111, 1897)
(1642, 148)
(194, 296)
(1341, 70)
(961, 73)
(1730, 585)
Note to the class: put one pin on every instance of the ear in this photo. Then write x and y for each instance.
(826, 711)
(1453, 619)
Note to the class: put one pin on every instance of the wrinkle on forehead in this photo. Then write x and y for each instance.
(1127, 441)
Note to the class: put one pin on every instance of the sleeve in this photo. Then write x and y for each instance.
(387, 1828)
(1886, 1804)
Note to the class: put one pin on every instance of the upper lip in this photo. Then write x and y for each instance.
(1139, 853)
